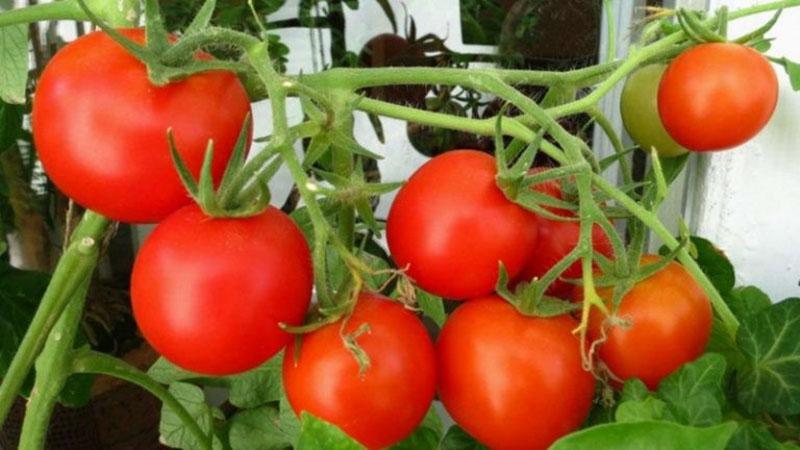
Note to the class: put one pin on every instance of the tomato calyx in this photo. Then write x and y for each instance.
(166, 60)
(213, 201)
(529, 298)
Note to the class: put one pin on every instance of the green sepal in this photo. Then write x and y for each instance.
(342, 140)
(696, 29)
(528, 298)
(183, 171)
(202, 18)
(155, 31)
(759, 32)
(207, 198)
(237, 159)
(319, 145)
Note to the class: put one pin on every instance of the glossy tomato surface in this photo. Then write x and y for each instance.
(511, 381)
(384, 404)
(556, 240)
(208, 294)
(639, 109)
(668, 324)
(100, 128)
(450, 225)
(716, 96)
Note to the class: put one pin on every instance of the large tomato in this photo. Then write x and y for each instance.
(100, 128)
(716, 96)
(667, 323)
(639, 109)
(384, 404)
(512, 381)
(451, 226)
(208, 294)
(556, 240)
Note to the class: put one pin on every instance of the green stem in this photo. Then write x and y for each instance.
(99, 363)
(729, 320)
(74, 267)
(616, 143)
(343, 165)
(63, 10)
(54, 361)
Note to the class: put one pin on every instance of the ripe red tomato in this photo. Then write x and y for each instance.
(512, 381)
(451, 226)
(556, 240)
(384, 404)
(208, 294)
(716, 96)
(100, 128)
(669, 325)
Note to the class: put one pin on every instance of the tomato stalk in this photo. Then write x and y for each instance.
(117, 13)
(74, 267)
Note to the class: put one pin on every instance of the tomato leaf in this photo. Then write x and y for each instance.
(694, 393)
(650, 435)
(458, 439)
(173, 433)
(10, 125)
(165, 372)
(258, 386)
(258, 429)
(317, 434)
(14, 63)
(634, 389)
(770, 341)
(432, 307)
(289, 422)
(426, 436)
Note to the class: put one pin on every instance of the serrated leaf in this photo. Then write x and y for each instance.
(173, 432)
(694, 393)
(753, 436)
(770, 341)
(13, 63)
(458, 439)
(258, 386)
(202, 18)
(634, 389)
(258, 429)
(648, 409)
(647, 435)
(793, 71)
(318, 434)
(426, 436)
(432, 307)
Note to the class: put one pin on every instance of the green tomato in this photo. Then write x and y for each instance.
(639, 108)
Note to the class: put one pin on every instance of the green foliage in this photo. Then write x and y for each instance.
(427, 435)
(650, 435)
(432, 307)
(770, 340)
(714, 264)
(317, 434)
(173, 431)
(259, 429)
(13, 63)
(20, 292)
(458, 439)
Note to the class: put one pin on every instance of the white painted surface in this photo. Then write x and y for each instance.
(747, 200)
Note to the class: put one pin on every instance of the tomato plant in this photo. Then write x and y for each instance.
(451, 230)
(378, 400)
(209, 294)
(509, 380)
(639, 109)
(715, 96)
(102, 134)
(662, 323)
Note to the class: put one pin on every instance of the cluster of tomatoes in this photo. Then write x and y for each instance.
(210, 294)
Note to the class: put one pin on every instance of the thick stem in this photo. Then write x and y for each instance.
(117, 13)
(74, 267)
(99, 363)
(54, 361)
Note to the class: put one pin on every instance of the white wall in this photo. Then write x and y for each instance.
(747, 200)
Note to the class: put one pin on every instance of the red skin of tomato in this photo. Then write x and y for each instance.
(670, 323)
(208, 294)
(450, 225)
(716, 96)
(556, 240)
(512, 381)
(100, 128)
(386, 403)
